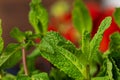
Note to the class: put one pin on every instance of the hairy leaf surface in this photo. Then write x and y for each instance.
(106, 69)
(59, 56)
(95, 42)
(101, 78)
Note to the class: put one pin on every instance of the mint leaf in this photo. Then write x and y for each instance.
(114, 42)
(109, 69)
(17, 34)
(106, 69)
(23, 77)
(115, 48)
(56, 74)
(9, 77)
(59, 56)
(117, 16)
(95, 42)
(38, 17)
(1, 40)
(101, 78)
(40, 76)
(81, 17)
(115, 54)
(10, 56)
(66, 44)
(85, 44)
(116, 71)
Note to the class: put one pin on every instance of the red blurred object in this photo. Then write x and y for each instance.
(113, 28)
(37, 40)
(52, 28)
(97, 14)
(72, 35)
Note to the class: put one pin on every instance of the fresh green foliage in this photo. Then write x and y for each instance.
(23, 77)
(95, 42)
(1, 40)
(10, 56)
(68, 61)
(101, 78)
(41, 76)
(114, 44)
(17, 34)
(38, 17)
(56, 74)
(60, 57)
(115, 55)
(116, 71)
(117, 16)
(86, 44)
(81, 17)
(9, 77)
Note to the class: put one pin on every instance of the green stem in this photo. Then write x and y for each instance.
(24, 61)
(88, 72)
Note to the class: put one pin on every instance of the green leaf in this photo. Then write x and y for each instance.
(1, 40)
(116, 71)
(40, 76)
(86, 44)
(106, 69)
(70, 47)
(109, 69)
(59, 56)
(10, 56)
(114, 42)
(101, 78)
(95, 42)
(23, 77)
(115, 54)
(117, 16)
(8, 77)
(115, 48)
(17, 34)
(38, 17)
(56, 74)
(81, 17)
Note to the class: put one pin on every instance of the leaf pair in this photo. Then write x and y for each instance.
(52, 49)
(38, 17)
(9, 56)
(61, 53)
